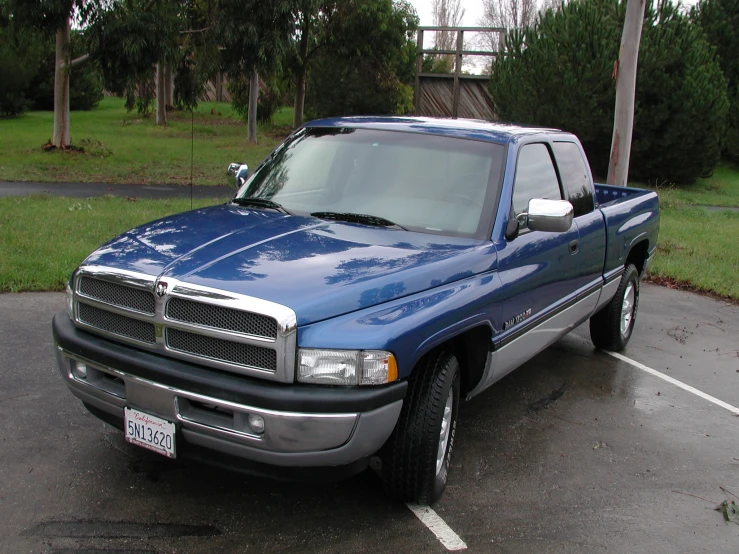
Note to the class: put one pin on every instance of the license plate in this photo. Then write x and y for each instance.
(150, 431)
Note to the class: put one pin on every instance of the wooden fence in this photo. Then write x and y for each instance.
(455, 94)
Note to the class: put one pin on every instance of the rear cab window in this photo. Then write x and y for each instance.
(575, 178)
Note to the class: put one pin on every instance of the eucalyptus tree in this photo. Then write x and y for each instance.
(254, 36)
(54, 18)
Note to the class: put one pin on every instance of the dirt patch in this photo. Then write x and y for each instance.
(676, 284)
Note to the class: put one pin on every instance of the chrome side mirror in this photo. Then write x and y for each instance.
(239, 172)
(552, 216)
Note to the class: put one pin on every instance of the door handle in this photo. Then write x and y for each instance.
(574, 246)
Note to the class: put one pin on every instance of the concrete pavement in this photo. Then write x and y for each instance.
(573, 452)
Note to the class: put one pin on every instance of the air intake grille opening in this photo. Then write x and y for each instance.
(219, 317)
(117, 295)
(117, 324)
(227, 351)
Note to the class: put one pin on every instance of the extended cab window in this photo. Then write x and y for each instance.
(535, 177)
(575, 178)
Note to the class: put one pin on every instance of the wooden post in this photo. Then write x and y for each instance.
(457, 72)
(625, 74)
(419, 68)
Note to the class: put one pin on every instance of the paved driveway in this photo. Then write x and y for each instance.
(576, 451)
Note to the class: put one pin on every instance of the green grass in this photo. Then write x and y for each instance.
(122, 147)
(698, 248)
(43, 238)
(720, 189)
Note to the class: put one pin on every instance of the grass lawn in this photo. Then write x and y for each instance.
(698, 248)
(122, 147)
(43, 238)
(720, 189)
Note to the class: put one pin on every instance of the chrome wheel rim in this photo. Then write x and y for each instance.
(627, 309)
(446, 423)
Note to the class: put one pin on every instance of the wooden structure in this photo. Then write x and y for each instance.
(455, 94)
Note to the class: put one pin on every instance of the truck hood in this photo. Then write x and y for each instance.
(320, 269)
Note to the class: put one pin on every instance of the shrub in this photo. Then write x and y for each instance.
(720, 21)
(559, 73)
(20, 57)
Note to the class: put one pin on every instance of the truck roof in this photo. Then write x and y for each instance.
(462, 128)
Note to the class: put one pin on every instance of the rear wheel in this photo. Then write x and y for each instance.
(415, 459)
(612, 326)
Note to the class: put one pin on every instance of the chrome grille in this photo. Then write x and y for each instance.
(218, 317)
(116, 324)
(117, 295)
(228, 351)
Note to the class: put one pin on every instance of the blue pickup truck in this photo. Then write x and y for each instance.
(369, 275)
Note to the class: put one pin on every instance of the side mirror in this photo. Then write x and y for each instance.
(239, 172)
(552, 216)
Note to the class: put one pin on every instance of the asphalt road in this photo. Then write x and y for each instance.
(86, 190)
(576, 451)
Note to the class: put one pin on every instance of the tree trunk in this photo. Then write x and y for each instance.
(625, 73)
(219, 86)
(302, 72)
(61, 137)
(161, 96)
(169, 87)
(253, 97)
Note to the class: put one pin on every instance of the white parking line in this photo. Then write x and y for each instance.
(448, 538)
(675, 382)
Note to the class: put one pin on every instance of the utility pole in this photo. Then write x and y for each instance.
(624, 71)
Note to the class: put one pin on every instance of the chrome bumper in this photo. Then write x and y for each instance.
(290, 439)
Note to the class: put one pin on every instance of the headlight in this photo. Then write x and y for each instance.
(346, 367)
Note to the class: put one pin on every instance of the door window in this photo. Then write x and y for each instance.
(535, 177)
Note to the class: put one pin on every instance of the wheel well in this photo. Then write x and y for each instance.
(471, 350)
(638, 255)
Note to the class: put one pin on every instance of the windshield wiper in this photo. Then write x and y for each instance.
(260, 203)
(374, 220)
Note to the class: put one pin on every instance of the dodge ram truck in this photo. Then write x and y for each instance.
(367, 277)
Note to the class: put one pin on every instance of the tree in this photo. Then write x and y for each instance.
(255, 37)
(130, 39)
(85, 90)
(559, 73)
(447, 13)
(510, 14)
(720, 21)
(368, 61)
(53, 17)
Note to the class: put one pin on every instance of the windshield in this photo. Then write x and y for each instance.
(421, 182)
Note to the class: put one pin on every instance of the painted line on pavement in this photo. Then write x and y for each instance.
(448, 538)
(732, 409)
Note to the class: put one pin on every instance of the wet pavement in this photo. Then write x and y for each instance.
(573, 452)
(87, 190)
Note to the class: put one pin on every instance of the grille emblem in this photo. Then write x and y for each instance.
(161, 289)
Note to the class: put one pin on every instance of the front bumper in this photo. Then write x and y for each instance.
(305, 426)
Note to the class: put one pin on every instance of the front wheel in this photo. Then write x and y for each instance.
(415, 459)
(612, 326)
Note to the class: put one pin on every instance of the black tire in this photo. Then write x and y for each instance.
(409, 458)
(605, 326)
